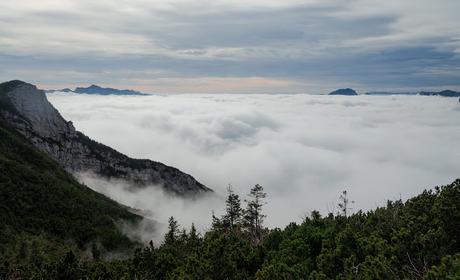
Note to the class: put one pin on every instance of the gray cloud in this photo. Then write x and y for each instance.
(315, 45)
(303, 149)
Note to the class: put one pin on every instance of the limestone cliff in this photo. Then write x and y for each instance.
(26, 109)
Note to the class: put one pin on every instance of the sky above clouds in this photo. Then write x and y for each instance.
(232, 46)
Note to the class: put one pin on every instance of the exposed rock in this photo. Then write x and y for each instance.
(26, 108)
(344, 91)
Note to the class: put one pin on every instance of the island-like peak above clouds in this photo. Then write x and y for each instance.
(27, 110)
(351, 92)
(445, 93)
(95, 89)
(344, 91)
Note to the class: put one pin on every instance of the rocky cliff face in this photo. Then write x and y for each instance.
(26, 108)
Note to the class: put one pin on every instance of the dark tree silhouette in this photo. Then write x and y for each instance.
(253, 217)
(233, 215)
(344, 204)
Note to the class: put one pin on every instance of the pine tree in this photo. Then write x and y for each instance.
(232, 217)
(344, 203)
(216, 222)
(253, 217)
(183, 236)
(171, 235)
(193, 235)
(193, 238)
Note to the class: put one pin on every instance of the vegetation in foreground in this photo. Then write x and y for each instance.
(417, 239)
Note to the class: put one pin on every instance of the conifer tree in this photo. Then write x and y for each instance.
(253, 217)
(171, 235)
(216, 222)
(183, 236)
(193, 238)
(233, 215)
(193, 235)
(344, 203)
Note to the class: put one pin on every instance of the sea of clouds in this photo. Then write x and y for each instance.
(304, 149)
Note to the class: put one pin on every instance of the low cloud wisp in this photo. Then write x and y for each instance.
(155, 205)
(303, 149)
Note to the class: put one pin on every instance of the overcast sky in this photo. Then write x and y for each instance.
(232, 45)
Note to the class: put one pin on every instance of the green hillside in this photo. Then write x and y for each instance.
(38, 198)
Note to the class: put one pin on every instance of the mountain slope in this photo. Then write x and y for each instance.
(26, 109)
(38, 197)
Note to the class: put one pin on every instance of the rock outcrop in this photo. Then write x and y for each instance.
(28, 111)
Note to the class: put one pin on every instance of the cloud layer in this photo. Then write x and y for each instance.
(185, 46)
(303, 149)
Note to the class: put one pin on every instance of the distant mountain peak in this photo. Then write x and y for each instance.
(96, 89)
(344, 91)
(445, 93)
